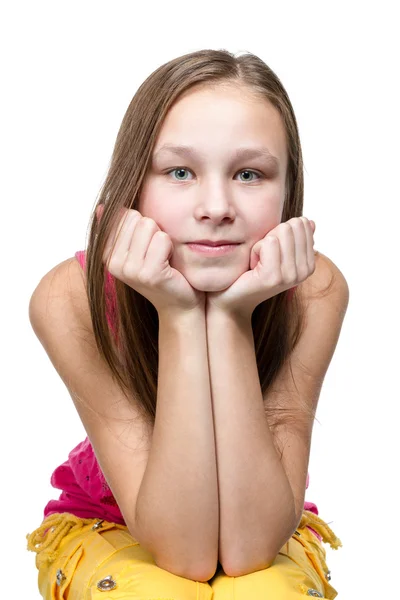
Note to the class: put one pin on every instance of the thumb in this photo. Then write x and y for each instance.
(255, 255)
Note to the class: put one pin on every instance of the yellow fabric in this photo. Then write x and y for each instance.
(314, 521)
(74, 557)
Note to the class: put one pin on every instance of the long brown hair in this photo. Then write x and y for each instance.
(134, 358)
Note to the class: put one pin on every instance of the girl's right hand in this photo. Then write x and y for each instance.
(141, 260)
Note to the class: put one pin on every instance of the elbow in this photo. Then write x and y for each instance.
(178, 560)
(205, 573)
(200, 575)
(248, 561)
(240, 568)
(198, 569)
(197, 572)
(252, 558)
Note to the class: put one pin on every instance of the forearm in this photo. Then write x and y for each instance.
(255, 497)
(178, 499)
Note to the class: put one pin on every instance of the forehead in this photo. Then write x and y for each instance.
(223, 116)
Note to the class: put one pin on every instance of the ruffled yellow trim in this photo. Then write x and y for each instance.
(45, 539)
(314, 521)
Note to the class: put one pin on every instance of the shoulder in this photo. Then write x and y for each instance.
(326, 286)
(324, 297)
(60, 291)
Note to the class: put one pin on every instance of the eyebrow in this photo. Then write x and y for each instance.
(240, 153)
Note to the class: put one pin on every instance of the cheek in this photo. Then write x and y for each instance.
(159, 211)
(260, 228)
(265, 214)
(171, 225)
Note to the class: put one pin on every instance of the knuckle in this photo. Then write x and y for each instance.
(304, 271)
(286, 225)
(144, 277)
(298, 223)
(303, 274)
(150, 224)
(135, 216)
(128, 272)
(113, 261)
(276, 278)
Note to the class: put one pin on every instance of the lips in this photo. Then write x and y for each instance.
(213, 244)
(218, 250)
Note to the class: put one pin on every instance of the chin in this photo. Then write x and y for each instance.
(209, 282)
(211, 278)
(210, 287)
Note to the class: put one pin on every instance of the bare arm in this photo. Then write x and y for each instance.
(174, 514)
(262, 492)
(177, 509)
(256, 500)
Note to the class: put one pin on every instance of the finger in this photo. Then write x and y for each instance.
(310, 243)
(120, 237)
(288, 240)
(109, 245)
(299, 230)
(314, 226)
(255, 251)
(255, 254)
(159, 249)
(140, 239)
(270, 258)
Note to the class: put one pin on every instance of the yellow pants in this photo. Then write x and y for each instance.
(91, 559)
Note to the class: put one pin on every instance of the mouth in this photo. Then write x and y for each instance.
(210, 251)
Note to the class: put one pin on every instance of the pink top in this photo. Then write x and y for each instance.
(85, 492)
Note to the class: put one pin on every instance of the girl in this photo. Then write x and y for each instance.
(193, 334)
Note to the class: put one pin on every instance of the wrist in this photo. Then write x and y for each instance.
(214, 314)
(181, 318)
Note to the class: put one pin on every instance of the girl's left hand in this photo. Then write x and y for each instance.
(282, 259)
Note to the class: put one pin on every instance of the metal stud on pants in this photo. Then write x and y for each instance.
(328, 575)
(98, 524)
(106, 584)
(60, 577)
(315, 593)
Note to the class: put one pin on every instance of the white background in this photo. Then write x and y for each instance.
(69, 71)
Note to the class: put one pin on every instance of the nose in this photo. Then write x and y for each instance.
(216, 204)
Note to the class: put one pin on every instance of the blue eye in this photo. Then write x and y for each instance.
(177, 169)
(259, 176)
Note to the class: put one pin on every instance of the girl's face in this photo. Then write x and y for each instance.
(214, 192)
